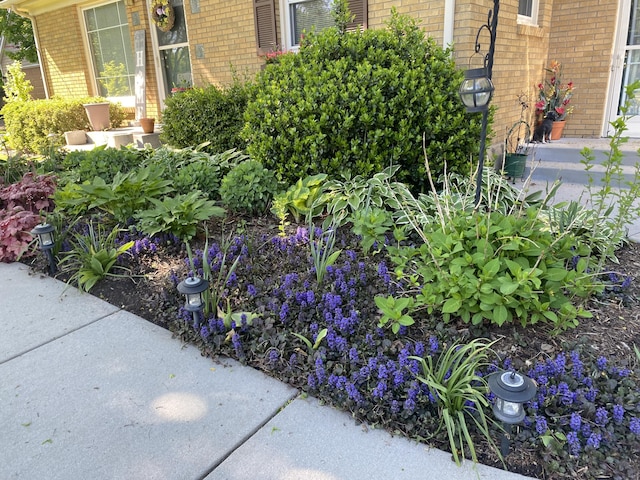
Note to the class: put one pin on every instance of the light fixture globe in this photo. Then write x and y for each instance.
(512, 390)
(44, 232)
(192, 289)
(476, 90)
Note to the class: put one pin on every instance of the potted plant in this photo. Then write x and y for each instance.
(555, 96)
(517, 144)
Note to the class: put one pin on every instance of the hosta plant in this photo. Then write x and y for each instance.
(179, 215)
(127, 194)
(302, 198)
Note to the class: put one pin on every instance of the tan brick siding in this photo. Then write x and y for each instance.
(581, 38)
(222, 33)
(225, 31)
(62, 52)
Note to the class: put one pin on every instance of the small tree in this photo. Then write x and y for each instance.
(18, 31)
(17, 87)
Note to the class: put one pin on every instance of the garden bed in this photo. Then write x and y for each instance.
(365, 370)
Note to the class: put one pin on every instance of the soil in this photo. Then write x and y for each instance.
(613, 330)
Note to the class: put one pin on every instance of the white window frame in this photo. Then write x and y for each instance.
(533, 19)
(126, 101)
(285, 20)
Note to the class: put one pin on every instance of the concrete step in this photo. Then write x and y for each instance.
(116, 138)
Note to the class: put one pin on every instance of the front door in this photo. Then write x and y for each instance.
(626, 67)
(171, 53)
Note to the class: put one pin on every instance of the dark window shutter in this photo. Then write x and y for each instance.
(265, 17)
(359, 9)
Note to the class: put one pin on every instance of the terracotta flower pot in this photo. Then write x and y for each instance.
(556, 130)
(147, 124)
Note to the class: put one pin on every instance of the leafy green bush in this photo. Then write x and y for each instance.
(356, 102)
(248, 188)
(179, 215)
(127, 194)
(496, 268)
(30, 123)
(82, 165)
(210, 114)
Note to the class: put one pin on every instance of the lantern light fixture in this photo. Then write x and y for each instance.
(192, 288)
(476, 90)
(512, 391)
(46, 240)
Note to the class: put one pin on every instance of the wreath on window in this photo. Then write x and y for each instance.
(162, 15)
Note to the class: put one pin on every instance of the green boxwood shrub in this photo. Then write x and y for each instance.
(82, 165)
(29, 123)
(248, 188)
(210, 114)
(356, 102)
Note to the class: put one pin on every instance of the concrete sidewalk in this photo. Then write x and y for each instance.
(561, 160)
(90, 391)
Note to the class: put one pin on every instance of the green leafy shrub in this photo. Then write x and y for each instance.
(82, 165)
(496, 268)
(17, 88)
(355, 102)
(371, 224)
(192, 168)
(209, 115)
(179, 215)
(127, 194)
(29, 123)
(248, 188)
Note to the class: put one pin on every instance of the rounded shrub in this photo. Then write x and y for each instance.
(356, 102)
(210, 114)
(248, 188)
(30, 122)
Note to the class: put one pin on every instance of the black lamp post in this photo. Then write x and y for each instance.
(46, 240)
(477, 89)
(512, 390)
(192, 288)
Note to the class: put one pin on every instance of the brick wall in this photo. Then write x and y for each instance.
(65, 68)
(581, 38)
(222, 41)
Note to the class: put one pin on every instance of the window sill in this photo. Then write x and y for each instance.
(531, 30)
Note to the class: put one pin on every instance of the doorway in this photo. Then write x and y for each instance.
(626, 68)
(171, 54)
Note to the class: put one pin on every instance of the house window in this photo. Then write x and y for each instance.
(304, 15)
(528, 12)
(299, 16)
(110, 48)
